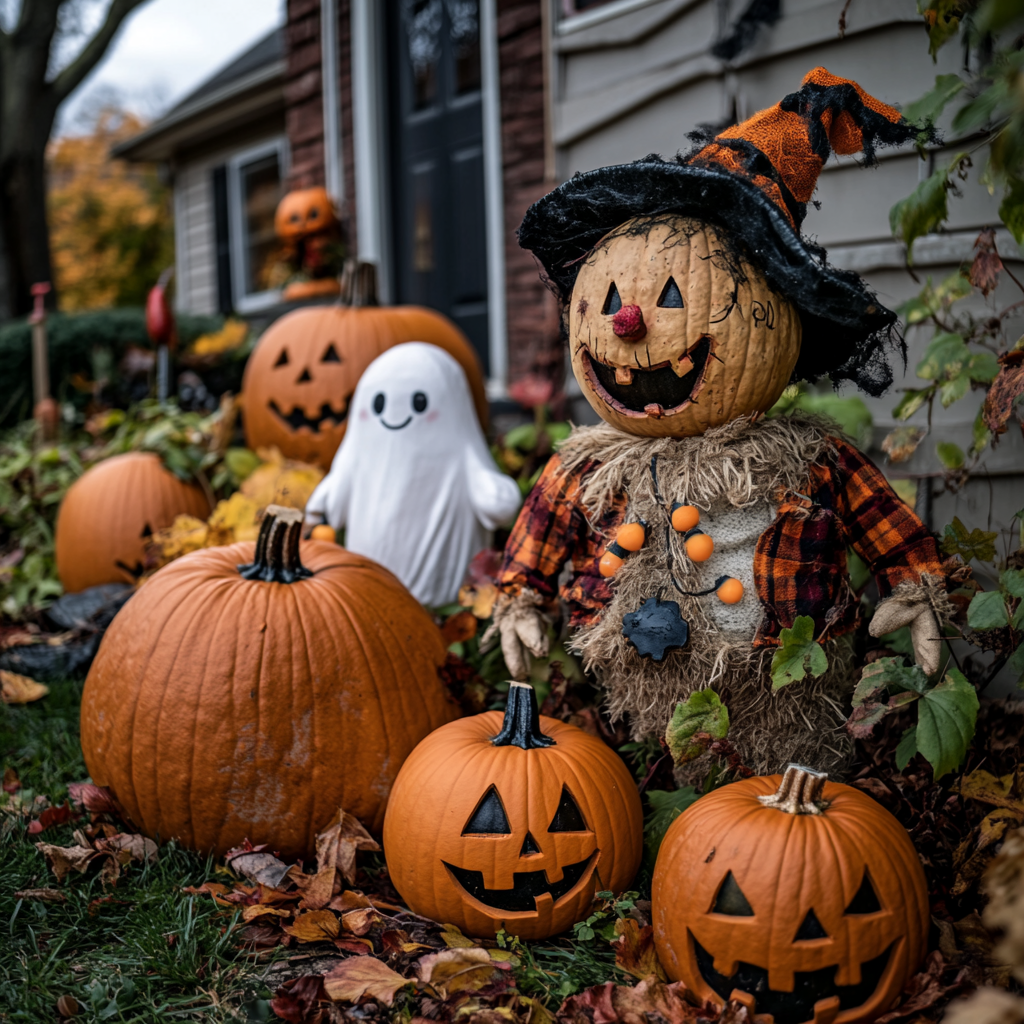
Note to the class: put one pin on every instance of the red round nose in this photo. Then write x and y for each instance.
(629, 324)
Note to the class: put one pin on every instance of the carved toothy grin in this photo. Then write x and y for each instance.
(649, 391)
(298, 418)
(809, 987)
(526, 885)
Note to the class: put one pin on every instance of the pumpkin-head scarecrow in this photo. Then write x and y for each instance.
(300, 378)
(801, 898)
(696, 530)
(308, 226)
(512, 822)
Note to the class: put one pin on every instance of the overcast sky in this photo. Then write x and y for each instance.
(167, 47)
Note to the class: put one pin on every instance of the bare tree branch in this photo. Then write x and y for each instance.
(71, 77)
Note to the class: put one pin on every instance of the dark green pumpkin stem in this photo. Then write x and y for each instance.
(521, 727)
(277, 548)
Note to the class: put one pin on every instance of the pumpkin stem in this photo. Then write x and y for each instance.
(799, 792)
(521, 727)
(359, 283)
(277, 548)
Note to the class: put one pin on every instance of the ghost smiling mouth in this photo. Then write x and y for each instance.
(404, 423)
(656, 391)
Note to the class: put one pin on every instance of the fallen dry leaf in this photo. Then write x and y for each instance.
(297, 1000)
(459, 627)
(351, 944)
(256, 864)
(255, 910)
(359, 922)
(116, 851)
(349, 900)
(15, 689)
(1004, 886)
(930, 986)
(459, 970)
(649, 1000)
(280, 481)
(94, 799)
(974, 854)
(634, 950)
(65, 859)
(314, 926)
(901, 443)
(454, 939)
(1001, 792)
(337, 845)
(363, 976)
(1004, 391)
(50, 817)
(45, 895)
(68, 1006)
(11, 781)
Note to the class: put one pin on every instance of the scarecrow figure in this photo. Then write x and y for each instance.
(697, 531)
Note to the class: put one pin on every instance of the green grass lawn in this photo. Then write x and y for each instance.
(143, 951)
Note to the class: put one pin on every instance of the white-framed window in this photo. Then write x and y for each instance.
(255, 187)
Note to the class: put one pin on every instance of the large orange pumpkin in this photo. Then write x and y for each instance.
(303, 372)
(111, 510)
(245, 693)
(512, 823)
(671, 332)
(802, 898)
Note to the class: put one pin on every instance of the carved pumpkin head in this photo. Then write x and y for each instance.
(304, 212)
(802, 898)
(672, 332)
(303, 372)
(514, 823)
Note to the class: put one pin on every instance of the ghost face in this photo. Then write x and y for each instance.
(402, 413)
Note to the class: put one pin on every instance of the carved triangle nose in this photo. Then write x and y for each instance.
(529, 846)
(304, 376)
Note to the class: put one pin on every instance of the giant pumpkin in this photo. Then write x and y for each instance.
(109, 513)
(513, 823)
(249, 691)
(303, 372)
(673, 332)
(802, 898)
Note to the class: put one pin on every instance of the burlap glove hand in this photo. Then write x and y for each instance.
(911, 606)
(522, 625)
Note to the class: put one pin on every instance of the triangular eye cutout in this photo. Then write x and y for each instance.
(568, 817)
(331, 355)
(730, 899)
(282, 359)
(810, 929)
(865, 901)
(612, 304)
(489, 818)
(529, 845)
(304, 376)
(670, 295)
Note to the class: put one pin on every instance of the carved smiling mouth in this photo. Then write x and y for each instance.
(298, 418)
(655, 391)
(526, 887)
(809, 987)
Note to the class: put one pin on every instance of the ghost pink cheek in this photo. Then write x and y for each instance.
(432, 415)
(363, 414)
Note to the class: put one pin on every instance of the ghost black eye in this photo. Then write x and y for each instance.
(419, 402)
(378, 402)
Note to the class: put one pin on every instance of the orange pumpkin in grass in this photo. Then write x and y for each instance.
(303, 372)
(802, 898)
(110, 512)
(249, 691)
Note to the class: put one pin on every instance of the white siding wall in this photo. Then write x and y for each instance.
(195, 243)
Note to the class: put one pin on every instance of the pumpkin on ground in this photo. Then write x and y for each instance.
(302, 374)
(644, 302)
(110, 512)
(512, 823)
(802, 898)
(247, 693)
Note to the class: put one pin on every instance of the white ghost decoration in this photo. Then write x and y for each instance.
(413, 482)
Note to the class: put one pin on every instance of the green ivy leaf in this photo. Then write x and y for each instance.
(987, 610)
(946, 715)
(887, 674)
(980, 434)
(982, 109)
(982, 367)
(950, 455)
(558, 431)
(994, 15)
(953, 390)
(906, 751)
(1016, 664)
(932, 103)
(523, 437)
(942, 17)
(910, 403)
(798, 654)
(1011, 209)
(925, 208)
(1012, 581)
(979, 544)
(701, 712)
(945, 355)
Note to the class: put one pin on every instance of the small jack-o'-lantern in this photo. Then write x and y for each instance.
(800, 898)
(110, 512)
(672, 332)
(304, 212)
(303, 372)
(514, 823)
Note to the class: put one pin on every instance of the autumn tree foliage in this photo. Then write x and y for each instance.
(110, 222)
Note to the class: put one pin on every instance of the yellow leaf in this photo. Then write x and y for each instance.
(17, 689)
(262, 910)
(234, 519)
(454, 939)
(361, 976)
(185, 534)
(458, 970)
(314, 926)
(230, 336)
(284, 482)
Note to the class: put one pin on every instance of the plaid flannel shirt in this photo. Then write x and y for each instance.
(799, 563)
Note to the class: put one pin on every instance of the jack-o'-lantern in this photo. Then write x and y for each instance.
(304, 212)
(512, 823)
(111, 511)
(802, 898)
(672, 332)
(303, 372)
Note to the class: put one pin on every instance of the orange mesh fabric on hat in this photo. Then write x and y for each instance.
(781, 150)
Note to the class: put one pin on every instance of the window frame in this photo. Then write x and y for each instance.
(246, 301)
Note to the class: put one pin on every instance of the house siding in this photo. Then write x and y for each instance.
(195, 245)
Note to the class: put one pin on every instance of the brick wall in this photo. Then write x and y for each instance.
(304, 119)
(533, 337)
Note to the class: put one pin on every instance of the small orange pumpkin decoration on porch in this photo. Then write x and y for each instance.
(248, 692)
(111, 510)
(802, 898)
(512, 823)
(303, 372)
(672, 332)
